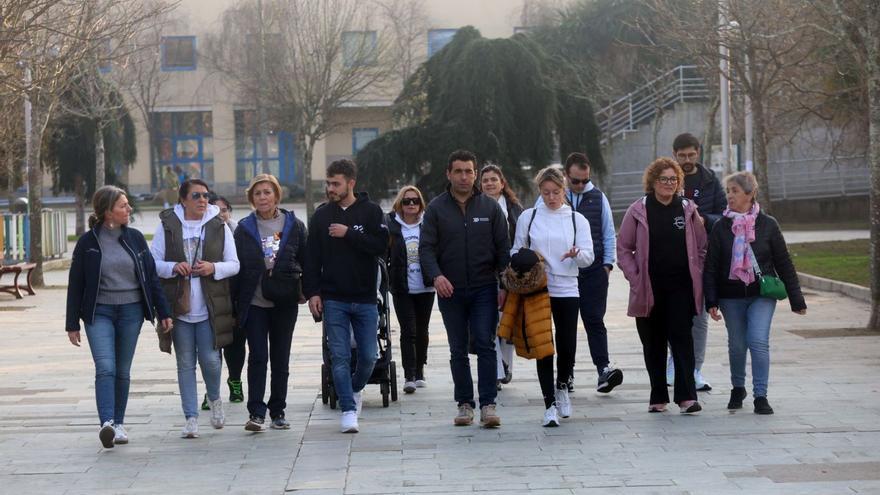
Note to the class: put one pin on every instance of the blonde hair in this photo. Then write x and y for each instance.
(652, 173)
(260, 178)
(552, 174)
(398, 208)
(103, 201)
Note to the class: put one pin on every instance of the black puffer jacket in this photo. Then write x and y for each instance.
(771, 253)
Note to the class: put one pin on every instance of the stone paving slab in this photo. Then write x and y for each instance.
(823, 438)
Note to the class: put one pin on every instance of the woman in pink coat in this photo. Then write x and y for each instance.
(660, 250)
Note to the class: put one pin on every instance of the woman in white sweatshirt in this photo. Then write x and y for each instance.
(562, 237)
(195, 257)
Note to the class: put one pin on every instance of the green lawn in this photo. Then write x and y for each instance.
(847, 261)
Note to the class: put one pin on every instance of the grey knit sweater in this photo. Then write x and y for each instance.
(119, 283)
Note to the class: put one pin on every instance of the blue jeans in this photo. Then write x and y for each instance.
(748, 329)
(340, 320)
(472, 312)
(593, 287)
(113, 337)
(192, 340)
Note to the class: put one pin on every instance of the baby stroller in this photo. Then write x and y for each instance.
(385, 371)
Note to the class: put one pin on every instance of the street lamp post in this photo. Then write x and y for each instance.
(28, 126)
(724, 85)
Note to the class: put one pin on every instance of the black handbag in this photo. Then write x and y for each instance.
(281, 286)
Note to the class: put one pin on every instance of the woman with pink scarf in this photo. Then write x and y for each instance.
(743, 237)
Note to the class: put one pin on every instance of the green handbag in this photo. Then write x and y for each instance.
(771, 287)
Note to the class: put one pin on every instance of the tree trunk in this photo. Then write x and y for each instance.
(10, 177)
(100, 166)
(760, 151)
(35, 195)
(872, 43)
(711, 123)
(308, 148)
(79, 192)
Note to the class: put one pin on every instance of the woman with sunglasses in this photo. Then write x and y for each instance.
(660, 250)
(195, 257)
(495, 185)
(413, 301)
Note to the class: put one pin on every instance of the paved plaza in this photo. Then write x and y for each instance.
(824, 437)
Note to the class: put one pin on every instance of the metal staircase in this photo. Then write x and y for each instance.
(622, 116)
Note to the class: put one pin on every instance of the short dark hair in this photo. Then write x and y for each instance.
(183, 192)
(344, 167)
(686, 140)
(215, 198)
(461, 156)
(578, 159)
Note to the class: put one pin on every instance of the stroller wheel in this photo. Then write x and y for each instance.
(325, 385)
(332, 397)
(385, 393)
(393, 381)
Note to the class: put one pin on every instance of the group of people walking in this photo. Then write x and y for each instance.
(507, 279)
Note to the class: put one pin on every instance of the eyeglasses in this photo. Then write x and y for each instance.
(197, 195)
(667, 180)
(410, 201)
(687, 156)
(577, 182)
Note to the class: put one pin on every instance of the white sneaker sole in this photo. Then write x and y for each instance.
(350, 429)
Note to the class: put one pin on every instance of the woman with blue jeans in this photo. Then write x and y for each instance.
(195, 257)
(746, 236)
(113, 288)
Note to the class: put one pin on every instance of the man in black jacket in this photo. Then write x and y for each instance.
(463, 247)
(346, 235)
(703, 187)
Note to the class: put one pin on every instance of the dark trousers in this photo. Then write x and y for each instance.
(593, 287)
(472, 312)
(565, 315)
(670, 321)
(269, 334)
(413, 314)
(235, 353)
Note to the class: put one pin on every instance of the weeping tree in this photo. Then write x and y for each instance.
(499, 98)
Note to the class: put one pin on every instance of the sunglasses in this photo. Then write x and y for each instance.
(577, 182)
(198, 195)
(410, 201)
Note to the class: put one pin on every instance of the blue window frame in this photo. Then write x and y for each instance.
(280, 159)
(359, 48)
(438, 38)
(178, 53)
(185, 145)
(361, 136)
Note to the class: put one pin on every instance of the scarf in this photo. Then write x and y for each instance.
(744, 233)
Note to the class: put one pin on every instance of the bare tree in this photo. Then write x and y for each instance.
(408, 23)
(313, 58)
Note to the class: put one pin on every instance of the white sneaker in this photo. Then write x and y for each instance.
(218, 419)
(670, 372)
(551, 418)
(121, 436)
(349, 422)
(107, 433)
(409, 387)
(191, 428)
(701, 384)
(421, 383)
(563, 402)
(358, 402)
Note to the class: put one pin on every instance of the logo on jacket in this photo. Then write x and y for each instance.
(480, 219)
(679, 223)
(358, 228)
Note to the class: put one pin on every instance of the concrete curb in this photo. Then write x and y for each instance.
(826, 284)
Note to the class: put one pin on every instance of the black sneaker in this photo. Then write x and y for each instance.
(205, 405)
(235, 392)
(762, 406)
(570, 383)
(256, 424)
(737, 394)
(508, 373)
(610, 378)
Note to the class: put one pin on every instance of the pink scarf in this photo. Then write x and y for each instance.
(744, 233)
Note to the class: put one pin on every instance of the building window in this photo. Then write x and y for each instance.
(280, 151)
(184, 143)
(360, 137)
(359, 48)
(438, 38)
(178, 53)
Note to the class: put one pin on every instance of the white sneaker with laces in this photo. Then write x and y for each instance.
(551, 418)
(121, 436)
(358, 402)
(218, 419)
(190, 428)
(349, 422)
(701, 384)
(421, 383)
(563, 402)
(409, 387)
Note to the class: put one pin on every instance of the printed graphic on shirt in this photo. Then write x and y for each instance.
(192, 250)
(678, 222)
(271, 244)
(412, 253)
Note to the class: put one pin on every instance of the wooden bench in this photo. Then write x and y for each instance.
(16, 270)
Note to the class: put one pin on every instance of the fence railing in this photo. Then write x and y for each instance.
(627, 112)
(15, 234)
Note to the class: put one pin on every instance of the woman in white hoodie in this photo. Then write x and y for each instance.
(195, 257)
(562, 237)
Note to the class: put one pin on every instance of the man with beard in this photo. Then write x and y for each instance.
(346, 235)
(703, 187)
(463, 248)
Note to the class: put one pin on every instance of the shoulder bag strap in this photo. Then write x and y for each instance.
(529, 229)
(755, 266)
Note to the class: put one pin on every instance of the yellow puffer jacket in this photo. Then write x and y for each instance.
(526, 320)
